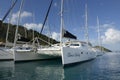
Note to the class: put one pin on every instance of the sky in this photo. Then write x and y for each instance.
(34, 11)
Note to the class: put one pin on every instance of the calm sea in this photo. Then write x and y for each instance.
(106, 67)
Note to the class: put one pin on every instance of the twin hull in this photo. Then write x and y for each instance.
(31, 55)
(69, 55)
(50, 51)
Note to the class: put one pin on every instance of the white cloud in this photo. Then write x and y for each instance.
(111, 36)
(111, 25)
(56, 36)
(111, 39)
(36, 27)
(24, 14)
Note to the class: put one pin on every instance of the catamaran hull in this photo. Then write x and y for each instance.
(51, 52)
(74, 55)
(30, 56)
(5, 55)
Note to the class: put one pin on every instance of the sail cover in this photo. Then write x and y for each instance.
(67, 34)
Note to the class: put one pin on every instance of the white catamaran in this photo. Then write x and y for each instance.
(25, 52)
(70, 51)
(5, 54)
(76, 51)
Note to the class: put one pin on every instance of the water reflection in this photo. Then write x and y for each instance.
(106, 67)
(39, 70)
(49, 72)
(6, 70)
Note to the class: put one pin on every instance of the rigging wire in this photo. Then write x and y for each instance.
(46, 16)
(9, 10)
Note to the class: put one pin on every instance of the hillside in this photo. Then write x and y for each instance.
(103, 48)
(21, 31)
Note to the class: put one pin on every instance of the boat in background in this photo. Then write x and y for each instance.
(5, 54)
(26, 52)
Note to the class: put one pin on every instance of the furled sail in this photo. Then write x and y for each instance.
(67, 34)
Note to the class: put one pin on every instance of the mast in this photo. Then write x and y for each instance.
(19, 15)
(10, 16)
(7, 31)
(48, 11)
(86, 25)
(99, 39)
(25, 32)
(98, 31)
(33, 29)
(48, 34)
(6, 41)
(61, 31)
(61, 23)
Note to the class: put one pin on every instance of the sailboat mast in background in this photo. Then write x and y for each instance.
(9, 21)
(86, 24)
(99, 39)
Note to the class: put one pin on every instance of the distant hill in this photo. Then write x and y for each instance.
(21, 31)
(103, 48)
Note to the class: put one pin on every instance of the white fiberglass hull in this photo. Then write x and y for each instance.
(74, 55)
(29, 56)
(55, 52)
(5, 55)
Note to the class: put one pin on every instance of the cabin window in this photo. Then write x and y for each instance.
(74, 44)
(27, 48)
(81, 52)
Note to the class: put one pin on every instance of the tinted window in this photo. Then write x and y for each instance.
(74, 44)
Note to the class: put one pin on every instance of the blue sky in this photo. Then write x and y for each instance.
(108, 12)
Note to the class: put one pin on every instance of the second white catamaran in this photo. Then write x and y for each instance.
(26, 52)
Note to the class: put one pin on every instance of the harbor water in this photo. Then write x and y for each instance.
(106, 67)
